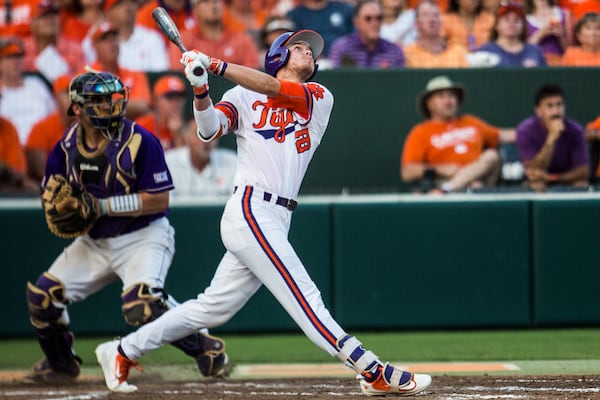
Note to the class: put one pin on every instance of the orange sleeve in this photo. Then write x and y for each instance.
(144, 15)
(294, 96)
(491, 134)
(595, 124)
(415, 145)
(140, 90)
(45, 133)
(11, 151)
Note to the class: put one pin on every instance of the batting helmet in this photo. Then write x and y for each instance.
(103, 98)
(279, 54)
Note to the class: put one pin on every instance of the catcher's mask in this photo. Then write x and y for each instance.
(279, 54)
(103, 98)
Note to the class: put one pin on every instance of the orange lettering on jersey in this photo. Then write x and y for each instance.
(279, 119)
(263, 114)
(302, 140)
(316, 90)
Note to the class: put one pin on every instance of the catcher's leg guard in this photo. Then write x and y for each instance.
(56, 340)
(142, 304)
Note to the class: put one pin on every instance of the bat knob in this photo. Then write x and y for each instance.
(198, 71)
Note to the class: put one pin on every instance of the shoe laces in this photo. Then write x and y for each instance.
(373, 374)
(122, 367)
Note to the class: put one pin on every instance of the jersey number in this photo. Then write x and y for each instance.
(302, 140)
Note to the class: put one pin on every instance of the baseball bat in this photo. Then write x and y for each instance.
(168, 27)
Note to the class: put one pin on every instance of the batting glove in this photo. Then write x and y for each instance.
(212, 65)
(198, 81)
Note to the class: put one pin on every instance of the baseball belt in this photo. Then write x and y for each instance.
(280, 201)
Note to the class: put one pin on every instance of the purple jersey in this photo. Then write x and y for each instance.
(350, 51)
(570, 149)
(133, 162)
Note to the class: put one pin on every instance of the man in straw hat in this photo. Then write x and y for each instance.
(448, 151)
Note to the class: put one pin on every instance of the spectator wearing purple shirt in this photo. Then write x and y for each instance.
(365, 48)
(122, 166)
(551, 146)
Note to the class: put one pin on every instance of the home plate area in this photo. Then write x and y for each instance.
(307, 381)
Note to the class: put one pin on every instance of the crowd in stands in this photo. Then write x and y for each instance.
(43, 43)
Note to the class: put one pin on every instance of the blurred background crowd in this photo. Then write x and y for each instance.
(43, 43)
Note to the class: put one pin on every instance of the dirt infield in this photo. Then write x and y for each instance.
(443, 388)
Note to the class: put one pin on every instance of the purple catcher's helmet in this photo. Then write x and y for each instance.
(278, 54)
(91, 90)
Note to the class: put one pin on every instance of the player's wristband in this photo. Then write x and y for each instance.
(217, 67)
(201, 92)
(126, 204)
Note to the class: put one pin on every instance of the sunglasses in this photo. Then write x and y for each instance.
(370, 18)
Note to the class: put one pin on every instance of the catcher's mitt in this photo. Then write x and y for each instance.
(69, 212)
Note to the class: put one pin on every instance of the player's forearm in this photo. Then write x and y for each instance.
(543, 157)
(134, 205)
(252, 79)
(576, 174)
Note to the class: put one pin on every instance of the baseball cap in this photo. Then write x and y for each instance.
(44, 7)
(11, 46)
(506, 7)
(100, 31)
(169, 84)
(435, 85)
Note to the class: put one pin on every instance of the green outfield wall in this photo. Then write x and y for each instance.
(404, 262)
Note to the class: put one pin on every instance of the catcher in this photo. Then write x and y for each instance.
(106, 185)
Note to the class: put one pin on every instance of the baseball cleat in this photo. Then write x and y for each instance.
(44, 373)
(115, 367)
(389, 381)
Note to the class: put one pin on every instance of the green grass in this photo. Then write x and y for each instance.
(498, 345)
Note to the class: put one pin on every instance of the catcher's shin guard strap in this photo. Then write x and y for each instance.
(352, 352)
(129, 204)
(142, 304)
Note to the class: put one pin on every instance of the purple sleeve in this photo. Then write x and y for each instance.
(526, 145)
(56, 163)
(153, 175)
(580, 154)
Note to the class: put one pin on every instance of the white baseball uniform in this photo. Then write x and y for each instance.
(276, 139)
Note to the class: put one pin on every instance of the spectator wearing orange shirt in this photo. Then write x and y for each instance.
(180, 12)
(166, 121)
(105, 42)
(450, 152)
(243, 16)
(210, 35)
(46, 50)
(581, 8)
(86, 13)
(467, 24)
(13, 178)
(15, 18)
(586, 51)
(592, 137)
(430, 49)
(48, 131)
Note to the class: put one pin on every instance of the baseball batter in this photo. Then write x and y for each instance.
(279, 121)
(121, 168)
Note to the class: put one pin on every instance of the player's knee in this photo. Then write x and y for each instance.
(142, 304)
(44, 299)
